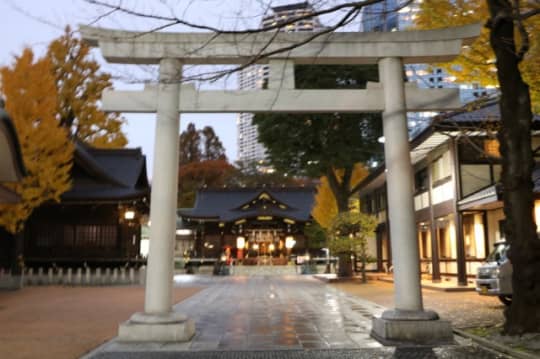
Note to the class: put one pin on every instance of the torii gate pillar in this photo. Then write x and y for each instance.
(408, 321)
(159, 322)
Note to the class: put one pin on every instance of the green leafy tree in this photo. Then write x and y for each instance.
(348, 235)
(212, 147)
(79, 87)
(190, 145)
(319, 144)
(316, 236)
(252, 174)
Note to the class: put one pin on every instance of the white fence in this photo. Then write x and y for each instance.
(76, 277)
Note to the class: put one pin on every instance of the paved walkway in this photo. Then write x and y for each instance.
(286, 317)
(58, 322)
(271, 312)
(463, 309)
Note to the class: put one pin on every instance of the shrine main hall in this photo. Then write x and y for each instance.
(249, 224)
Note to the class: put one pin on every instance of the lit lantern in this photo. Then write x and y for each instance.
(129, 215)
(240, 242)
(271, 247)
(289, 242)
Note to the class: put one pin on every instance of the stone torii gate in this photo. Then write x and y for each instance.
(408, 321)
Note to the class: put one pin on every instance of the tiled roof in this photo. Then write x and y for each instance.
(107, 174)
(12, 167)
(12, 145)
(230, 204)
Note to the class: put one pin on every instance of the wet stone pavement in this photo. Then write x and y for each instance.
(271, 312)
(278, 317)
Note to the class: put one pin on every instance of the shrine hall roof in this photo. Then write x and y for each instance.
(107, 174)
(231, 204)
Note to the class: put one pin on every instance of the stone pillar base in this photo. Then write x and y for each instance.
(169, 327)
(396, 328)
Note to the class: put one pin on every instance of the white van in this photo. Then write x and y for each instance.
(495, 276)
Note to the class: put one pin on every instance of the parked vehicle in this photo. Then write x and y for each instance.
(495, 276)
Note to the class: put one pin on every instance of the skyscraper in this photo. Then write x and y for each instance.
(253, 77)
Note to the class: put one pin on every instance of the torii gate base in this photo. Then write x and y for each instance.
(411, 327)
(408, 322)
(172, 327)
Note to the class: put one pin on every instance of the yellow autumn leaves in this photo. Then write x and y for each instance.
(52, 101)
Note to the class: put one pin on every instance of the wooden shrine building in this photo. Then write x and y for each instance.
(12, 170)
(250, 223)
(97, 221)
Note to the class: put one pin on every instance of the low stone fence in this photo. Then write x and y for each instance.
(76, 277)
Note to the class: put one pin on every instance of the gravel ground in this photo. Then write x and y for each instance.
(463, 309)
(66, 322)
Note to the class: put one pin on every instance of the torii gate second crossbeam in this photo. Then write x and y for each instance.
(409, 321)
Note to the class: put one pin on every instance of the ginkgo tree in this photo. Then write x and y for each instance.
(53, 101)
(326, 207)
(79, 86)
(28, 86)
(477, 62)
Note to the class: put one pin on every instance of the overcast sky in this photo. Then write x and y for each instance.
(35, 23)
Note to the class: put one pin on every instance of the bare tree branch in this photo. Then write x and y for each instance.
(173, 20)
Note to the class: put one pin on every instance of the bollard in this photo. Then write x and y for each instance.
(30, 276)
(78, 276)
(69, 276)
(114, 279)
(142, 275)
(40, 276)
(123, 275)
(107, 277)
(97, 276)
(59, 276)
(131, 275)
(50, 276)
(87, 275)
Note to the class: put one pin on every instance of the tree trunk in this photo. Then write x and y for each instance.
(345, 265)
(340, 189)
(517, 164)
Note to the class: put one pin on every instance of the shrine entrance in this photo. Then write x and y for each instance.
(409, 321)
(257, 225)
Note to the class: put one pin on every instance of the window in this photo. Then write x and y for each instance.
(382, 200)
(441, 167)
(96, 236)
(421, 179)
(474, 177)
(473, 235)
(446, 237)
(424, 239)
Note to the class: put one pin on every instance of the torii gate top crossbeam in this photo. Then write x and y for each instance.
(423, 46)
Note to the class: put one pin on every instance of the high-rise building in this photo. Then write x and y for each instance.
(388, 15)
(254, 77)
